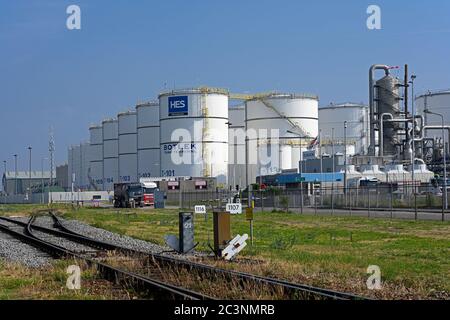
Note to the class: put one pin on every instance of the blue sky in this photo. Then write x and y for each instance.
(131, 50)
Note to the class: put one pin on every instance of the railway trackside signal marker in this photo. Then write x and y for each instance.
(234, 208)
(234, 247)
(200, 209)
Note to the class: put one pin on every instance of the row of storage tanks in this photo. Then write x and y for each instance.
(198, 127)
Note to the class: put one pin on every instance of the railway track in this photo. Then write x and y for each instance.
(149, 286)
(155, 264)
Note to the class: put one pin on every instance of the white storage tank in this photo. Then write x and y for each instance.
(95, 174)
(148, 148)
(70, 166)
(194, 133)
(236, 146)
(85, 154)
(357, 117)
(76, 163)
(127, 146)
(436, 101)
(110, 153)
(296, 119)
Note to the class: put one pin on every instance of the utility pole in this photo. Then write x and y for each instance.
(4, 164)
(345, 162)
(334, 170)
(51, 149)
(444, 154)
(321, 166)
(15, 175)
(42, 180)
(29, 177)
(413, 147)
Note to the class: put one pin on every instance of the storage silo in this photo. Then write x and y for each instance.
(110, 153)
(194, 133)
(85, 160)
(70, 166)
(148, 148)
(295, 117)
(236, 146)
(357, 117)
(127, 146)
(436, 101)
(95, 172)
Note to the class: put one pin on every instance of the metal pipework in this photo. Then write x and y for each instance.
(380, 124)
(426, 128)
(372, 103)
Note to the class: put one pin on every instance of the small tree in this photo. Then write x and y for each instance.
(284, 202)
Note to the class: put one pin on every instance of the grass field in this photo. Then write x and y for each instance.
(20, 283)
(333, 252)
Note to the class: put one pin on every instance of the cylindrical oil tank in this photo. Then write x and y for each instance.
(128, 146)
(387, 92)
(110, 153)
(294, 118)
(76, 166)
(70, 166)
(194, 133)
(436, 101)
(148, 148)
(85, 166)
(95, 173)
(357, 132)
(236, 146)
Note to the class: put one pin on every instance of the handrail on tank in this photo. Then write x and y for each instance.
(199, 90)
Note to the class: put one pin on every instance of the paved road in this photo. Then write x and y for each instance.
(374, 213)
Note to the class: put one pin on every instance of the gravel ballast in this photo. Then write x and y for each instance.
(15, 251)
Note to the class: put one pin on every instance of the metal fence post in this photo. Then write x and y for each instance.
(392, 200)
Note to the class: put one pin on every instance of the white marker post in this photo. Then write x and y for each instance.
(201, 210)
(234, 208)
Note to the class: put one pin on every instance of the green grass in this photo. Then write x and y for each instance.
(414, 256)
(49, 283)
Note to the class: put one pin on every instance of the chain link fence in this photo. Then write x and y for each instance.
(387, 198)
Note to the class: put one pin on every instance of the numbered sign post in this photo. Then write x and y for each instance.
(234, 208)
(201, 209)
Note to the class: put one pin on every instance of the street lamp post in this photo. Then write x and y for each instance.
(301, 170)
(15, 175)
(4, 165)
(345, 162)
(334, 170)
(42, 180)
(29, 177)
(413, 147)
(4, 186)
(321, 167)
(444, 151)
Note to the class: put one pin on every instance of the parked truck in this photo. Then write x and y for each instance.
(149, 189)
(127, 195)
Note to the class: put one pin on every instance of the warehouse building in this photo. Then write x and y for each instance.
(19, 182)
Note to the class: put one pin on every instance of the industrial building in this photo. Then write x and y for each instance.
(235, 138)
(20, 182)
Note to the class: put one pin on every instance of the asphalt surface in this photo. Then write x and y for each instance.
(372, 213)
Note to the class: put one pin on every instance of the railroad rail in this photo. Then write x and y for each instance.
(294, 290)
(111, 273)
